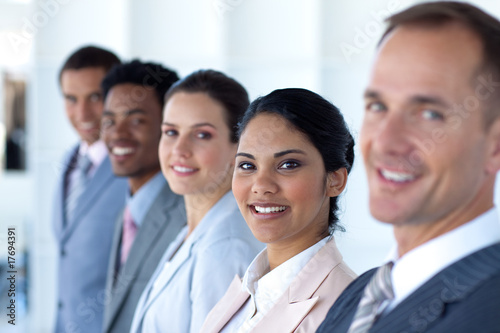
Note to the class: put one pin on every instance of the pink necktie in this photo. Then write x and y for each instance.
(128, 234)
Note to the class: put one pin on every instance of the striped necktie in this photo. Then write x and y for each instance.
(378, 290)
(75, 190)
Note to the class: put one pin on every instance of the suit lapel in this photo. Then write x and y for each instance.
(154, 226)
(428, 303)
(182, 255)
(224, 310)
(299, 299)
(60, 193)
(91, 194)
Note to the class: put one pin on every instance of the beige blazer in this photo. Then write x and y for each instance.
(304, 304)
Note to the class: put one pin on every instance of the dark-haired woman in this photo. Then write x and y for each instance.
(293, 158)
(196, 153)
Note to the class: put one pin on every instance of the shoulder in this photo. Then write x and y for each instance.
(227, 224)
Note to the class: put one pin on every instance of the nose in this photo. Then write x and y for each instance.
(264, 183)
(390, 134)
(84, 110)
(182, 147)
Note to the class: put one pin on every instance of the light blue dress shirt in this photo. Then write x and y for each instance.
(186, 286)
(141, 201)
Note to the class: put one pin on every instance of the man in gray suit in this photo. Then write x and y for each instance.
(431, 146)
(131, 128)
(88, 197)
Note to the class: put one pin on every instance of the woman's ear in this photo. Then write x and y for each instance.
(336, 181)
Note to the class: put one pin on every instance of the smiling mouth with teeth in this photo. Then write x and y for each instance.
(87, 126)
(120, 151)
(268, 210)
(182, 169)
(398, 177)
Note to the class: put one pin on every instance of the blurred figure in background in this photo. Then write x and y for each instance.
(197, 150)
(88, 198)
(134, 94)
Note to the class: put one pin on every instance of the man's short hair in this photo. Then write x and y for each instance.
(485, 26)
(148, 75)
(90, 56)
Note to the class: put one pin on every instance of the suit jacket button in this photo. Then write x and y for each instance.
(63, 252)
(60, 304)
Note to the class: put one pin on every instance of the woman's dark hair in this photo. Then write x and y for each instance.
(319, 120)
(225, 90)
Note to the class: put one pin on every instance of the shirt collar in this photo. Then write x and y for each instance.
(263, 284)
(420, 264)
(140, 203)
(97, 152)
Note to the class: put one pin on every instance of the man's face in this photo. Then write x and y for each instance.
(83, 100)
(423, 139)
(131, 129)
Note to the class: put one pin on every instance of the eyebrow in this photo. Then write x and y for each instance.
(193, 126)
(417, 99)
(276, 155)
(126, 113)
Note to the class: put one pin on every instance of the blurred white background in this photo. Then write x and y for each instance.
(322, 45)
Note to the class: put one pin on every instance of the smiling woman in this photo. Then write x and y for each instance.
(197, 148)
(293, 158)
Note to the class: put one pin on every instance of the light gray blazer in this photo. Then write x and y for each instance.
(198, 275)
(162, 223)
(84, 246)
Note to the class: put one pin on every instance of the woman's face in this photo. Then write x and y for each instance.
(280, 183)
(196, 155)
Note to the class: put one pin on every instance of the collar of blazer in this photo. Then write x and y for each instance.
(428, 303)
(292, 307)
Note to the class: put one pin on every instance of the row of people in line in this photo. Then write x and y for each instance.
(230, 207)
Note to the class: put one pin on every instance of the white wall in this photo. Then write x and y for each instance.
(264, 44)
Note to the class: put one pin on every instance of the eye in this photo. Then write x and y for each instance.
(432, 115)
(203, 135)
(170, 132)
(136, 121)
(246, 166)
(289, 165)
(71, 99)
(375, 107)
(107, 122)
(95, 97)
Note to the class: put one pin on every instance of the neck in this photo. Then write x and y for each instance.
(198, 205)
(278, 253)
(410, 236)
(136, 182)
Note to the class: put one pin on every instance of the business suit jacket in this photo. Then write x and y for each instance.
(304, 304)
(84, 246)
(220, 246)
(462, 298)
(160, 226)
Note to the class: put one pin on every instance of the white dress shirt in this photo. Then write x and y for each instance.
(266, 287)
(419, 265)
(96, 152)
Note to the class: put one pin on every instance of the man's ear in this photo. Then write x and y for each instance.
(493, 158)
(335, 182)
